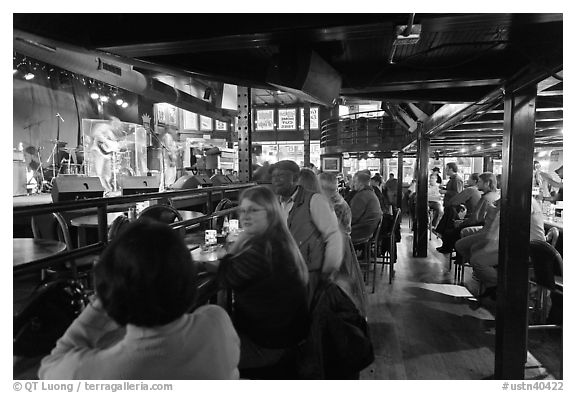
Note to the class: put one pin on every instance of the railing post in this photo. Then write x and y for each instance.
(103, 223)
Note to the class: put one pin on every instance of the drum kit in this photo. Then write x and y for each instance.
(62, 161)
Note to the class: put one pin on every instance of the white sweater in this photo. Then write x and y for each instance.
(201, 345)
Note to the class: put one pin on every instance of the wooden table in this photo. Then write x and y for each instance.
(26, 250)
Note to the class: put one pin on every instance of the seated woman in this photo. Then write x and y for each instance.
(434, 200)
(138, 325)
(269, 278)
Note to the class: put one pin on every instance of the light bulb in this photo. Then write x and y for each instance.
(29, 76)
(124, 105)
(103, 98)
(119, 101)
(94, 96)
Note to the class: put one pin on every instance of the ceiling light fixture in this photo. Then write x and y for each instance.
(119, 102)
(478, 147)
(124, 104)
(463, 150)
(104, 98)
(94, 96)
(494, 144)
(28, 76)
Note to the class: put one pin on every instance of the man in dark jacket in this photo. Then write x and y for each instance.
(365, 207)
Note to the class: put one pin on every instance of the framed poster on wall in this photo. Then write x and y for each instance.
(205, 123)
(264, 119)
(190, 120)
(331, 164)
(286, 119)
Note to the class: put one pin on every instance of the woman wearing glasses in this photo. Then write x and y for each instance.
(269, 278)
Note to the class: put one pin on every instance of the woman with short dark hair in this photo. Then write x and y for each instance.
(146, 282)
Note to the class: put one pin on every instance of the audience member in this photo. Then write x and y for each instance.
(486, 185)
(481, 248)
(311, 221)
(436, 172)
(376, 183)
(350, 276)
(545, 181)
(365, 208)
(391, 190)
(341, 208)
(309, 180)
(434, 200)
(455, 183)
(269, 277)
(138, 325)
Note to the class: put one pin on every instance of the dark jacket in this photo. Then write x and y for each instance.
(338, 345)
(270, 299)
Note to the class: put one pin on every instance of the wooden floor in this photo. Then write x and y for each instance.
(422, 328)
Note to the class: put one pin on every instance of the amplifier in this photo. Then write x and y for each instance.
(139, 184)
(71, 188)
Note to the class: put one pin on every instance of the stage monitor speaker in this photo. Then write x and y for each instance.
(71, 188)
(139, 184)
(191, 181)
(220, 180)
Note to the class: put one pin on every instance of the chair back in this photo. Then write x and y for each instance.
(54, 227)
(162, 213)
(376, 234)
(224, 204)
(552, 236)
(396, 225)
(546, 262)
(117, 227)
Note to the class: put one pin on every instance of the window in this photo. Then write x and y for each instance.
(313, 118)
(286, 119)
(264, 119)
(205, 123)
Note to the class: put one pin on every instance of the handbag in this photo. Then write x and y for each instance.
(50, 310)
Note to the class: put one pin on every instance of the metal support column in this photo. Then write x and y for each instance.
(400, 177)
(306, 136)
(488, 164)
(516, 199)
(420, 243)
(244, 128)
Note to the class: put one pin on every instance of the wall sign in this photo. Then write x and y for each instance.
(286, 119)
(313, 118)
(264, 119)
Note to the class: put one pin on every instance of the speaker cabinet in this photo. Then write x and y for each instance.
(71, 188)
(191, 181)
(220, 180)
(139, 184)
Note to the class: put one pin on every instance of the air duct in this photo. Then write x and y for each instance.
(107, 69)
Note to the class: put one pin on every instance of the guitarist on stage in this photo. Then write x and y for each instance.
(104, 144)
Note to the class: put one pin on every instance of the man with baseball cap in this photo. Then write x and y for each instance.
(311, 221)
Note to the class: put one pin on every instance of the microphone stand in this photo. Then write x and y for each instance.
(162, 166)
